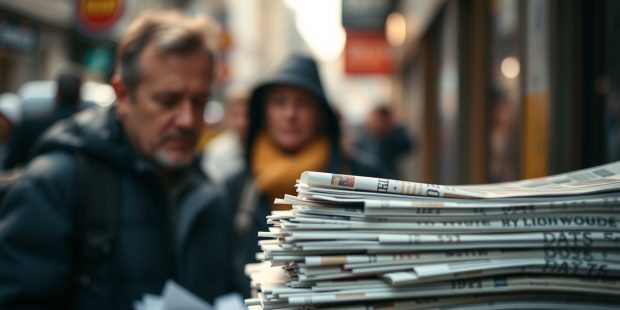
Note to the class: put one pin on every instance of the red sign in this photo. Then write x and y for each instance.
(367, 53)
(98, 15)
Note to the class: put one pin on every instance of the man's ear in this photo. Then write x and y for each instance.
(122, 94)
(119, 87)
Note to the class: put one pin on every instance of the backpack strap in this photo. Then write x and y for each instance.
(8, 179)
(97, 214)
(247, 207)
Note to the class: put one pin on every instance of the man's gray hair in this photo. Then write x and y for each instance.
(170, 31)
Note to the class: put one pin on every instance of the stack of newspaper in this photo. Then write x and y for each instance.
(353, 242)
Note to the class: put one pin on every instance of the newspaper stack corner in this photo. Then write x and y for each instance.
(352, 242)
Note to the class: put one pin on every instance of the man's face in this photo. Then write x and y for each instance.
(165, 116)
(293, 117)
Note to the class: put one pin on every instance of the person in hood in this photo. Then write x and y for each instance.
(172, 223)
(292, 129)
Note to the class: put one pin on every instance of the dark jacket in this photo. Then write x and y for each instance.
(299, 71)
(182, 236)
(23, 140)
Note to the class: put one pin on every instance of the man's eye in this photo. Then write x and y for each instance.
(199, 102)
(166, 103)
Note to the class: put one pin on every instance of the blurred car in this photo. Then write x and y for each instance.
(38, 96)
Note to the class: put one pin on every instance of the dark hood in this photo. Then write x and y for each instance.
(96, 132)
(300, 71)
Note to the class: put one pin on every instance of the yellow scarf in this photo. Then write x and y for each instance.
(275, 172)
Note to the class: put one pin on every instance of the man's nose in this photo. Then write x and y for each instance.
(185, 117)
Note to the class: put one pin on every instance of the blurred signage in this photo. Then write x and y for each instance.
(226, 40)
(97, 16)
(365, 14)
(367, 53)
(18, 36)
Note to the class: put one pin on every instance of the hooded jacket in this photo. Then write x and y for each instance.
(300, 71)
(182, 234)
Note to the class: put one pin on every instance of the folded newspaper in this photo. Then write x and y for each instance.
(177, 297)
(352, 242)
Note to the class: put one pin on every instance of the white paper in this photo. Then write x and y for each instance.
(176, 297)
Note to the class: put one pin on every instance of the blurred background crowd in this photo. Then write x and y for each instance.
(441, 91)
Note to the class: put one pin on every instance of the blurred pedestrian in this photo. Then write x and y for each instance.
(224, 155)
(384, 141)
(501, 159)
(169, 223)
(66, 103)
(10, 116)
(292, 129)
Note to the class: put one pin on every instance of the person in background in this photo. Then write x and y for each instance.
(66, 103)
(292, 128)
(10, 116)
(171, 223)
(502, 128)
(384, 141)
(224, 155)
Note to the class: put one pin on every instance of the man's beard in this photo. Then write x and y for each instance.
(160, 157)
(163, 161)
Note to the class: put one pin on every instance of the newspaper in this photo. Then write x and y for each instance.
(175, 296)
(352, 261)
(464, 287)
(518, 301)
(428, 242)
(567, 222)
(351, 242)
(422, 269)
(598, 179)
(549, 266)
(424, 207)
